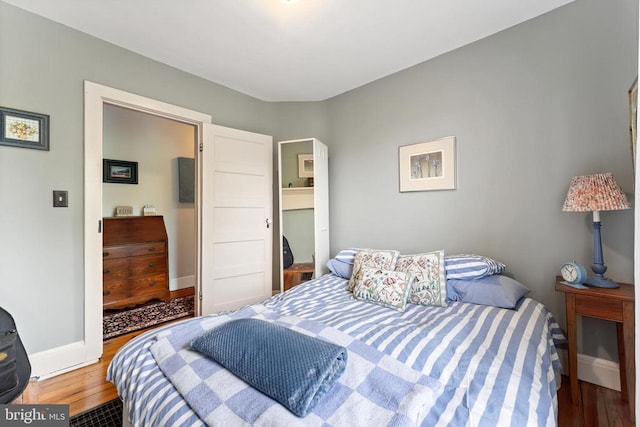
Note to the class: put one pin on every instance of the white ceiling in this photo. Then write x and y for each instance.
(302, 51)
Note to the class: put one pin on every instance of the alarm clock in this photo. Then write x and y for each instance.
(124, 211)
(574, 273)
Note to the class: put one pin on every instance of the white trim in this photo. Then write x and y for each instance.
(58, 360)
(75, 355)
(183, 282)
(594, 370)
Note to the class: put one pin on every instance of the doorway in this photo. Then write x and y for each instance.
(96, 98)
(163, 151)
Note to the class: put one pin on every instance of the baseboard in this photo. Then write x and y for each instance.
(182, 282)
(59, 360)
(594, 370)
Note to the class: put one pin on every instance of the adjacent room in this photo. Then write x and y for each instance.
(439, 195)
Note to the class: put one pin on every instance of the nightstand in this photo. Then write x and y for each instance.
(297, 273)
(616, 305)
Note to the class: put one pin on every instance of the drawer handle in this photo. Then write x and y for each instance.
(152, 264)
(104, 254)
(152, 283)
(152, 249)
(105, 293)
(106, 271)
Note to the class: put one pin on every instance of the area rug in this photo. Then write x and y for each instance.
(106, 415)
(126, 321)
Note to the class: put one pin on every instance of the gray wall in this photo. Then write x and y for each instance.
(530, 107)
(42, 69)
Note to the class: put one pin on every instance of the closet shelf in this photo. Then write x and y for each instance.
(297, 198)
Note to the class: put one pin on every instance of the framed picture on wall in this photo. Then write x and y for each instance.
(428, 166)
(119, 171)
(24, 129)
(305, 165)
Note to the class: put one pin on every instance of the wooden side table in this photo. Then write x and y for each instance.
(616, 305)
(296, 273)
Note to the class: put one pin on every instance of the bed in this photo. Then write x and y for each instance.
(484, 366)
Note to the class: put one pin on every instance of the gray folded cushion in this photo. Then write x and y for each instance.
(294, 369)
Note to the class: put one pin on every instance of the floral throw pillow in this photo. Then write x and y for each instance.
(384, 287)
(430, 286)
(374, 258)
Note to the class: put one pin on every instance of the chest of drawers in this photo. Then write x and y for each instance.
(135, 261)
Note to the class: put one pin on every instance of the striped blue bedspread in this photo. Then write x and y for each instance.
(502, 363)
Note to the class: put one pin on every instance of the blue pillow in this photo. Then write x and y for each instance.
(347, 255)
(471, 266)
(496, 290)
(339, 268)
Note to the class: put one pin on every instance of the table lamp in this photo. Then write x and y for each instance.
(598, 192)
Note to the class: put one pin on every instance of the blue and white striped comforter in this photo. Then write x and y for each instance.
(504, 360)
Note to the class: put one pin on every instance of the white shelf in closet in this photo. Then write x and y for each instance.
(297, 198)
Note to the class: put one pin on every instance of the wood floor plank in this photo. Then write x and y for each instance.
(588, 398)
(617, 410)
(569, 414)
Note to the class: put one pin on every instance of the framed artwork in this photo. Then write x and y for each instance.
(428, 165)
(24, 129)
(305, 165)
(633, 120)
(119, 171)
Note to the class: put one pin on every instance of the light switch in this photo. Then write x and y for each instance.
(60, 199)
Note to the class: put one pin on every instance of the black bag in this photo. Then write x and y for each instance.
(15, 368)
(287, 255)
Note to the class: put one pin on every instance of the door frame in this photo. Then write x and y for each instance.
(95, 96)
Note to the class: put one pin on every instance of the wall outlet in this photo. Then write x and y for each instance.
(60, 199)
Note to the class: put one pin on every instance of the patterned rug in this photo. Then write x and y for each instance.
(126, 321)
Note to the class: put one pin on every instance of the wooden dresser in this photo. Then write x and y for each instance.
(135, 267)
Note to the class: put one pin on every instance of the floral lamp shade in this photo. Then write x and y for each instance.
(597, 192)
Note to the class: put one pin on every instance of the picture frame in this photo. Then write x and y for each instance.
(119, 171)
(305, 165)
(633, 121)
(24, 129)
(428, 165)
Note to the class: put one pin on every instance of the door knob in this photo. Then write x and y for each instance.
(268, 221)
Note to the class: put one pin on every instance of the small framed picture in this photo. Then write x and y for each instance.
(305, 165)
(428, 165)
(24, 129)
(119, 171)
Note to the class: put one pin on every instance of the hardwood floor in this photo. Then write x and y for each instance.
(598, 406)
(86, 388)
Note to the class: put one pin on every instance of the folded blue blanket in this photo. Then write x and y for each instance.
(294, 369)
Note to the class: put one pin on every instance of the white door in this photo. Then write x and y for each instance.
(321, 205)
(236, 232)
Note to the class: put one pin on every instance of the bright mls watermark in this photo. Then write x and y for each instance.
(34, 415)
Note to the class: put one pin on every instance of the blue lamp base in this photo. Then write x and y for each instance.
(601, 282)
(598, 267)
